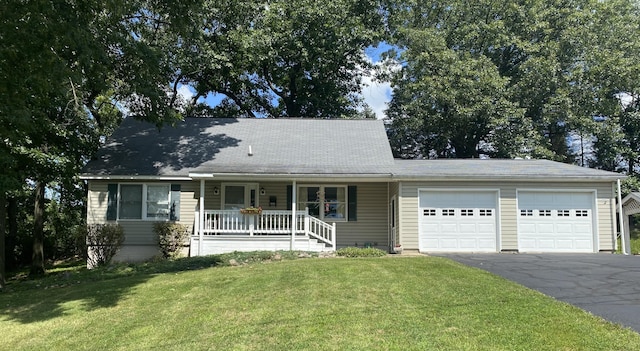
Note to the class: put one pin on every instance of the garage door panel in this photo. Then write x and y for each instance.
(458, 221)
(555, 221)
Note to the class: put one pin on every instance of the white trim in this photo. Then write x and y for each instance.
(201, 175)
(595, 237)
(495, 191)
(506, 178)
(136, 178)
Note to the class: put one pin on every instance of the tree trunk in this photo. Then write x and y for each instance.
(3, 226)
(37, 260)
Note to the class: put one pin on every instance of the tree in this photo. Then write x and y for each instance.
(552, 65)
(296, 58)
(68, 69)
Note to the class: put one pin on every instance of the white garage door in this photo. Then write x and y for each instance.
(555, 221)
(458, 221)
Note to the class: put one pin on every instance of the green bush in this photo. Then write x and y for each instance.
(360, 252)
(171, 237)
(103, 242)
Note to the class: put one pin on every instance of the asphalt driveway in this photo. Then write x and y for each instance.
(606, 285)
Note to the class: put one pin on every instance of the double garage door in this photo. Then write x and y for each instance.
(467, 221)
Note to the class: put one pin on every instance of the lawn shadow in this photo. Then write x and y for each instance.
(51, 296)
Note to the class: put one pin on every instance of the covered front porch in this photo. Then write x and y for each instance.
(247, 227)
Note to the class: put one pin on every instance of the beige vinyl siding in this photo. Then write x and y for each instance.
(408, 205)
(138, 233)
(97, 202)
(371, 225)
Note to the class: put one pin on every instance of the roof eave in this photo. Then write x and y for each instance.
(512, 178)
(134, 177)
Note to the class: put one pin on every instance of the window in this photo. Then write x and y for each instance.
(130, 201)
(564, 213)
(466, 212)
(544, 213)
(448, 212)
(429, 212)
(582, 213)
(526, 213)
(144, 201)
(324, 202)
(486, 212)
(158, 201)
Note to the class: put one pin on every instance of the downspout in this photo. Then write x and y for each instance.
(294, 219)
(624, 237)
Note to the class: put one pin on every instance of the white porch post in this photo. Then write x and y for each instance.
(624, 235)
(201, 217)
(294, 219)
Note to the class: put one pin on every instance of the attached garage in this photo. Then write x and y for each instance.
(458, 221)
(556, 221)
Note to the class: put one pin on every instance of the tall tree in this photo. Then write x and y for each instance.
(548, 56)
(68, 69)
(278, 58)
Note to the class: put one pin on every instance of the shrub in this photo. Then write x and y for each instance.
(171, 237)
(360, 252)
(103, 242)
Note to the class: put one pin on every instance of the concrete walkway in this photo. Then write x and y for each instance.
(606, 285)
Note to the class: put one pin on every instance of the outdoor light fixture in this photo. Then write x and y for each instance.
(262, 191)
(216, 191)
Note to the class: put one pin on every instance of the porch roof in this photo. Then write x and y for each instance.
(631, 203)
(245, 146)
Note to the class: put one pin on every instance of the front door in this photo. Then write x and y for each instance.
(238, 196)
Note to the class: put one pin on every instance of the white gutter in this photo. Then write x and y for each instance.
(133, 177)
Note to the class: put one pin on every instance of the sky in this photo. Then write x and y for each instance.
(375, 94)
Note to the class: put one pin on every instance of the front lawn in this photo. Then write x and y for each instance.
(388, 303)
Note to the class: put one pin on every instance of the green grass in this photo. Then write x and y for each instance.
(635, 242)
(388, 303)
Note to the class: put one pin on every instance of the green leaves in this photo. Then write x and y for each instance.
(508, 79)
(286, 58)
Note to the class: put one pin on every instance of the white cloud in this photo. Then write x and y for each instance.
(186, 92)
(375, 93)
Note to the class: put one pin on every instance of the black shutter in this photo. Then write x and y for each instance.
(174, 211)
(112, 202)
(289, 197)
(352, 199)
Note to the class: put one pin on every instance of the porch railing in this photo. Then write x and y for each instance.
(269, 222)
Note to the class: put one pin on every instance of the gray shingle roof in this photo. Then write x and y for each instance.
(496, 169)
(297, 147)
(221, 145)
